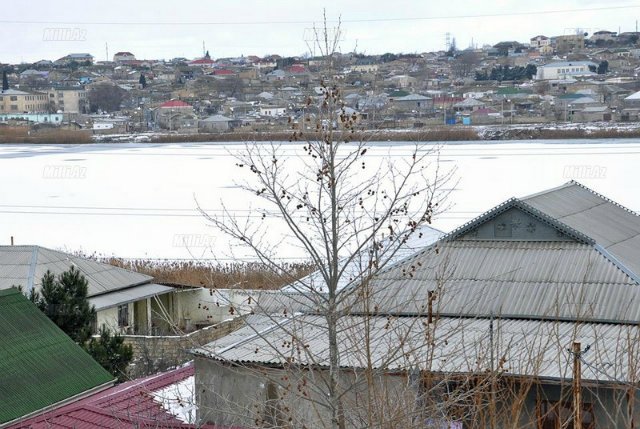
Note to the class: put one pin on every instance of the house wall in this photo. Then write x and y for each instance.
(238, 395)
(156, 353)
(109, 319)
(206, 306)
(209, 126)
(19, 103)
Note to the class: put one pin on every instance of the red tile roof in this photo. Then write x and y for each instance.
(174, 103)
(202, 61)
(129, 404)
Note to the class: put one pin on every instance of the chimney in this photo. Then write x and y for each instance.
(12, 240)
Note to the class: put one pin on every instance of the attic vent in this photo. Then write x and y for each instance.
(502, 228)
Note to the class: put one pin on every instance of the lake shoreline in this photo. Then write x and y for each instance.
(442, 134)
(432, 134)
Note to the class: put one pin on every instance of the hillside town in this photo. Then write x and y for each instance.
(557, 79)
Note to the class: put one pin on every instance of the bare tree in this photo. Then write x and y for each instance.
(349, 211)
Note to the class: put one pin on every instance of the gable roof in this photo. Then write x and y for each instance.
(457, 345)
(40, 366)
(612, 226)
(132, 404)
(568, 275)
(25, 265)
(216, 118)
(634, 96)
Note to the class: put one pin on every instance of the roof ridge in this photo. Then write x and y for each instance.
(609, 200)
(511, 202)
(615, 261)
(546, 191)
(258, 334)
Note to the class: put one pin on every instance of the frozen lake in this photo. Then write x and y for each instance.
(137, 200)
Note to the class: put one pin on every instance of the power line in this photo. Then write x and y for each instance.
(306, 22)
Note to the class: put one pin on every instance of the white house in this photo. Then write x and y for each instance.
(272, 111)
(565, 69)
(121, 57)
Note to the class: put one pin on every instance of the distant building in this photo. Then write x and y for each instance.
(272, 111)
(564, 70)
(14, 101)
(603, 35)
(78, 58)
(568, 43)
(539, 41)
(412, 102)
(215, 123)
(123, 57)
(68, 99)
(176, 115)
(38, 118)
(202, 62)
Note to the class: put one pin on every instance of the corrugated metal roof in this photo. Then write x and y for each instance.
(549, 280)
(39, 364)
(25, 265)
(354, 268)
(129, 404)
(255, 326)
(460, 345)
(611, 225)
(124, 296)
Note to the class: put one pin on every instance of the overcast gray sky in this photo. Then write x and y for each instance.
(169, 28)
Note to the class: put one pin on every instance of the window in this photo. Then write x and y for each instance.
(14, 98)
(123, 315)
(559, 415)
(94, 324)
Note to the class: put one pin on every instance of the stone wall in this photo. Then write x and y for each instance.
(157, 353)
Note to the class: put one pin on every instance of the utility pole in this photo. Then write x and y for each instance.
(577, 390)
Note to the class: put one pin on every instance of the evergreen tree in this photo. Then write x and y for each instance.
(143, 81)
(64, 301)
(111, 352)
(603, 67)
(5, 81)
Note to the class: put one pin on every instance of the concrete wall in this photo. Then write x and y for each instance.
(246, 396)
(203, 306)
(155, 353)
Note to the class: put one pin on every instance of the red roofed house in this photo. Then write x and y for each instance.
(176, 115)
(297, 68)
(165, 400)
(123, 57)
(202, 62)
(223, 72)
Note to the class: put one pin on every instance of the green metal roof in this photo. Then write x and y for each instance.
(39, 364)
(508, 90)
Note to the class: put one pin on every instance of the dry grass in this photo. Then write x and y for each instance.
(432, 135)
(223, 276)
(47, 135)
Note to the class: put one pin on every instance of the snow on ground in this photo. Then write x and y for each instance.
(138, 200)
(179, 399)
